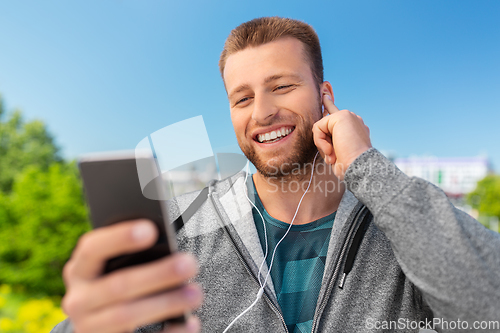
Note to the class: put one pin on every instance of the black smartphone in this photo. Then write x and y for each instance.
(115, 193)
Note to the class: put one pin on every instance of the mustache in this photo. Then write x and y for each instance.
(276, 120)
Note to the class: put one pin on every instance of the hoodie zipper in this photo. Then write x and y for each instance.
(354, 227)
(240, 255)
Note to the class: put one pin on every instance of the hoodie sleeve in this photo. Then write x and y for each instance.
(444, 252)
(63, 327)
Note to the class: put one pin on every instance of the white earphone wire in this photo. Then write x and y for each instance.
(262, 285)
(263, 223)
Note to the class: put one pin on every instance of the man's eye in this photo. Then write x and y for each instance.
(284, 87)
(242, 100)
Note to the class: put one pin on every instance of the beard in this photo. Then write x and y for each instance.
(294, 163)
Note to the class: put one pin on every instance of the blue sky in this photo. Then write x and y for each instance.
(424, 75)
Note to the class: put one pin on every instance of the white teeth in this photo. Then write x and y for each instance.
(282, 132)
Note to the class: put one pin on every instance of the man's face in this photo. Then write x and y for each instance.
(274, 103)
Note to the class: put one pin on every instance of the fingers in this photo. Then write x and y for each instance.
(193, 325)
(322, 140)
(322, 134)
(322, 130)
(328, 103)
(134, 282)
(128, 316)
(130, 297)
(99, 245)
(341, 137)
(325, 111)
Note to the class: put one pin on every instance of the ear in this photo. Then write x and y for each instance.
(326, 89)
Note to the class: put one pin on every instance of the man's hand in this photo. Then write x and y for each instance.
(127, 298)
(340, 137)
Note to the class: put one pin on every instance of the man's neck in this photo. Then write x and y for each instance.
(280, 197)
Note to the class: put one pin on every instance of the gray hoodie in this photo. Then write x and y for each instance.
(418, 261)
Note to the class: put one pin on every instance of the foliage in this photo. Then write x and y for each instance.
(42, 219)
(486, 197)
(42, 210)
(20, 314)
(23, 144)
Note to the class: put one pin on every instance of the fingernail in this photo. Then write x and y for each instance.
(191, 293)
(143, 231)
(328, 96)
(193, 325)
(184, 264)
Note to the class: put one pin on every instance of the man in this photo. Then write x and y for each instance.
(416, 260)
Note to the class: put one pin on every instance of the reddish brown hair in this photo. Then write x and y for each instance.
(267, 29)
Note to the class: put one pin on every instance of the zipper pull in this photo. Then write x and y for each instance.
(341, 285)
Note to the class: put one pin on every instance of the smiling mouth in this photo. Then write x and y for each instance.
(276, 135)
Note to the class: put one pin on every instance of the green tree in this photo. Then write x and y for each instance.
(486, 197)
(45, 216)
(23, 144)
(42, 209)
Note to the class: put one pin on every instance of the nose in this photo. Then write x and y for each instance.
(263, 109)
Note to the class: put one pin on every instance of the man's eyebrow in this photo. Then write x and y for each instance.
(280, 76)
(238, 90)
(267, 80)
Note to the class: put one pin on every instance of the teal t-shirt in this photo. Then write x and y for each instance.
(298, 265)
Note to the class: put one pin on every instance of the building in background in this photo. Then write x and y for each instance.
(456, 176)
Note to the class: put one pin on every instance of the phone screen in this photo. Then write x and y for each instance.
(114, 194)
